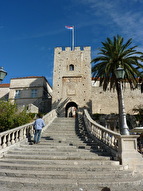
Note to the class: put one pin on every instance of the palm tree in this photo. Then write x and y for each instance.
(113, 54)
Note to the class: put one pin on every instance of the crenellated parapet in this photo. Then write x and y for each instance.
(67, 49)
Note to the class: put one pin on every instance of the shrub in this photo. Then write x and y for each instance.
(10, 118)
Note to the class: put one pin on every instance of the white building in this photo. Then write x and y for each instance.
(33, 93)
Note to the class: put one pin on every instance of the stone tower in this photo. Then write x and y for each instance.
(71, 80)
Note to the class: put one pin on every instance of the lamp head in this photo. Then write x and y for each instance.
(2, 73)
(120, 73)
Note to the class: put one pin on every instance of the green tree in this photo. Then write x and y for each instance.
(115, 53)
(7, 115)
(10, 117)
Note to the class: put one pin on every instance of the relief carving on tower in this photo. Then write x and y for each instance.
(70, 85)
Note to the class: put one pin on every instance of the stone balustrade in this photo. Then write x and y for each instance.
(122, 147)
(106, 136)
(13, 136)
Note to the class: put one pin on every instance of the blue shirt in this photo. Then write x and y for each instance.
(39, 124)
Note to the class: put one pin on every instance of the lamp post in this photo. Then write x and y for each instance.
(119, 72)
(2, 74)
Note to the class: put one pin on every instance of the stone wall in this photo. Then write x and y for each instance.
(106, 102)
(4, 91)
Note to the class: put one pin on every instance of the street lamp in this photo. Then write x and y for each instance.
(119, 72)
(2, 74)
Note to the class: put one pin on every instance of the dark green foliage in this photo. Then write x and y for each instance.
(115, 53)
(138, 109)
(10, 117)
(96, 116)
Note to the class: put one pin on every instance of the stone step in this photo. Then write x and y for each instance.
(50, 146)
(51, 151)
(42, 155)
(75, 164)
(62, 133)
(62, 145)
(69, 156)
(79, 163)
(65, 174)
(69, 183)
(12, 186)
(55, 150)
(75, 154)
(59, 146)
(66, 139)
(103, 169)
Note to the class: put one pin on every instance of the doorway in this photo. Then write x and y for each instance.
(71, 109)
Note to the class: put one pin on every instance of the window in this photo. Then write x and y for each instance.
(71, 67)
(34, 93)
(17, 94)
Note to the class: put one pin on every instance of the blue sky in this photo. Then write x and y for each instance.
(31, 29)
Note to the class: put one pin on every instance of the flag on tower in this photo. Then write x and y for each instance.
(69, 27)
(72, 29)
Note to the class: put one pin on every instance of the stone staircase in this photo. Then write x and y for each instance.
(66, 159)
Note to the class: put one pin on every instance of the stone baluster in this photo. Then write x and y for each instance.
(24, 133)
(107, 138)
(13, 138)
(17, 136)
(96, 132)
(90, 126)
(20, 134)
(100, 134)
(103, 136)
(112, 141)
(4, 145)
(8, 140)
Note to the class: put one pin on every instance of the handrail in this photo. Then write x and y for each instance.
(10, 137)
(106, 136)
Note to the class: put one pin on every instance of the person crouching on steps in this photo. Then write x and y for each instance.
(38, 125)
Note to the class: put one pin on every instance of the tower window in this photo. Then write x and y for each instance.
(71, 67)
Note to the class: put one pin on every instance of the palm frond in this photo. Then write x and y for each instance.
(112, 54)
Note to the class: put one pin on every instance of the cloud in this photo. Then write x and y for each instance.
(119, 15)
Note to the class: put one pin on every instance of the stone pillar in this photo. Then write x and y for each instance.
(128, 153)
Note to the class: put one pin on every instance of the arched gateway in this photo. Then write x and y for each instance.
(71, 109)
(71, 80)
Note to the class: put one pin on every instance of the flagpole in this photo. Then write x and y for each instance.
(73, 38)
